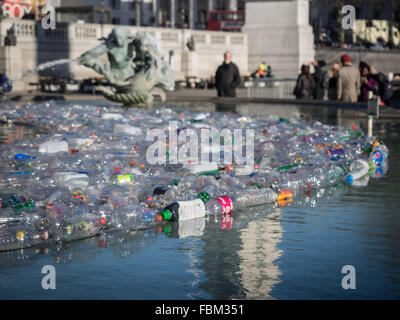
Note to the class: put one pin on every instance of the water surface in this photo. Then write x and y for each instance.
(294, 252)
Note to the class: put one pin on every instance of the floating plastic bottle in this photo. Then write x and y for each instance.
(132, 218)
(183, 210)
(53, 146)
(358, 169)
(79, 227)
(21, 236)
(9, 216)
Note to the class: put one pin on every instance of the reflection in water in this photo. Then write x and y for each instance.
(226, 107)
(239, 254)
(10, 133)
(258, 254)
(22, 257)
(123, 245)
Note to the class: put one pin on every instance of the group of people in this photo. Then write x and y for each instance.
(263, 71)
(344, 83)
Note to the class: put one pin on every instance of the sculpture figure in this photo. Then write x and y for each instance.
(137, 71)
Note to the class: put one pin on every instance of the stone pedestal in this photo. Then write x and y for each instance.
(11, 61)
(279, 34)
(190, 61)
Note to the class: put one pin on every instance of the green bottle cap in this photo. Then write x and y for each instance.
(166, 214)
(204, 196)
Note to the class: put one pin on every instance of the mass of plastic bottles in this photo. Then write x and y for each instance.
(90, 173)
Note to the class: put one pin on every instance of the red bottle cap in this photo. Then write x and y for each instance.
(101, 222)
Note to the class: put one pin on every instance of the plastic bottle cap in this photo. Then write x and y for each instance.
(20, 236)
(204, 196)
(285, 195)
(101, 222)
(166, 215)
(349, 179)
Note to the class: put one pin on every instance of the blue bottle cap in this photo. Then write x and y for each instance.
(349, 179)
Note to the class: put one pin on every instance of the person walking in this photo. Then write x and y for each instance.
(349, 81)
(305, 84)
(227, 77)
(321, 79)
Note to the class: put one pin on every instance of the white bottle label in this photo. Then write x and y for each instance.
(191, 209)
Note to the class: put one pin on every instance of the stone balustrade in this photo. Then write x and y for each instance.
(37, 45)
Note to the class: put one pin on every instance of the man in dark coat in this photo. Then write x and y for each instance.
(227, 77)
(321, 80)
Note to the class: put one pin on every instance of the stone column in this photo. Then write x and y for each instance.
(10, 58)
(211, 5)
(138, 11)
(192, 14)
(156, 15)
(233, 5)
(173, 13)
(279, 34)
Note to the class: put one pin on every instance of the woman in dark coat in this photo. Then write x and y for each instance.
(305, 84)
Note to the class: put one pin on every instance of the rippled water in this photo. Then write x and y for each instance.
(294, 252)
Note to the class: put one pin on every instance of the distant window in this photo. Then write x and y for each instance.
(132, 22)
(116, 21)
(116, 4)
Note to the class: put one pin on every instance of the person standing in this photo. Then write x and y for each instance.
(333, 81)
(321, 79)
(349, 81)
(227, 77)
(368, 83)
(305, 84)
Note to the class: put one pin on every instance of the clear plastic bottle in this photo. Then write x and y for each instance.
(132, 218)
(358, 169)
(79, 227)
(183, 210)
(253, 197)
(8, 216)
(20, 236)
(16, 201)
(219, 206)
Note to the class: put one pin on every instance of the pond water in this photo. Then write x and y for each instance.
(294, 252)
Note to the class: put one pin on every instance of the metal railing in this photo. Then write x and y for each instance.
(270, 88)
